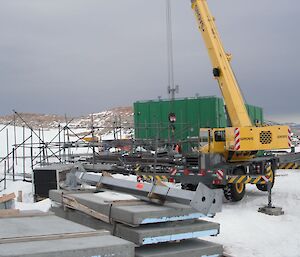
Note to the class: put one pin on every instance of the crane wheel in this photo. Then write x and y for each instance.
(271, 176)
(235, 192)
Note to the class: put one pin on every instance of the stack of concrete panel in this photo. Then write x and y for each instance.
(156, 230)
(36, 235)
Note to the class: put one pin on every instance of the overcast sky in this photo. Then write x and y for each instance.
(83, 56)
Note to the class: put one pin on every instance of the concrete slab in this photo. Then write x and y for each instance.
(81, 218)
(48, 235)
(187, 248)
(33, 213)
(167, 232)
(38, 226)
(151, 213)
(134, 213)
(107, 246)
(56, 195)
(146, 234)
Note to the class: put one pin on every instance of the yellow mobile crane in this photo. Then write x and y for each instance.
(239, 143)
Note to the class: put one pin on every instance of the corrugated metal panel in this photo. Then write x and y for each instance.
(255, 113)
(151, 117)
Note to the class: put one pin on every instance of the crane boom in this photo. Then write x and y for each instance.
(222, 69)
(243, 136)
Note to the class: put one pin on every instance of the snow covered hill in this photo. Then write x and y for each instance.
(123, 115)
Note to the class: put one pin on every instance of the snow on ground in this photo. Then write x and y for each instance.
(248, 233)
(244, 231)
(27, 195)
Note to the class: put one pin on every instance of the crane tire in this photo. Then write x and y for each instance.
(235, 192)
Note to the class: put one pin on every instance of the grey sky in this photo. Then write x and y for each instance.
(84, 56)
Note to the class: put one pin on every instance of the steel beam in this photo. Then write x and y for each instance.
(205, 200)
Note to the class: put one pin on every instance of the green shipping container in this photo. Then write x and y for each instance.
(151, 118)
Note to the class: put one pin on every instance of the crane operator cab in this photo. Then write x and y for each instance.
(212, 140)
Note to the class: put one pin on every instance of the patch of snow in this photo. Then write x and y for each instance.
(114, 196)
(27, 195)
(43, 206)
(248, 233)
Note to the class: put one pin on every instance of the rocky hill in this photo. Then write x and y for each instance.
(33, 120)
(104, 121)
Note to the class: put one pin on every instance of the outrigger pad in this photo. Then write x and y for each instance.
(273, 211)
(206, 200)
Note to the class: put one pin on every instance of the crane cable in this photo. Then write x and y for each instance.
(171, 86)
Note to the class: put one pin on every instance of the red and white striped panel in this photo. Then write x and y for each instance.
(265, 179)
(173, 171)
(237, 139)
(220, 174)
(290, 137)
